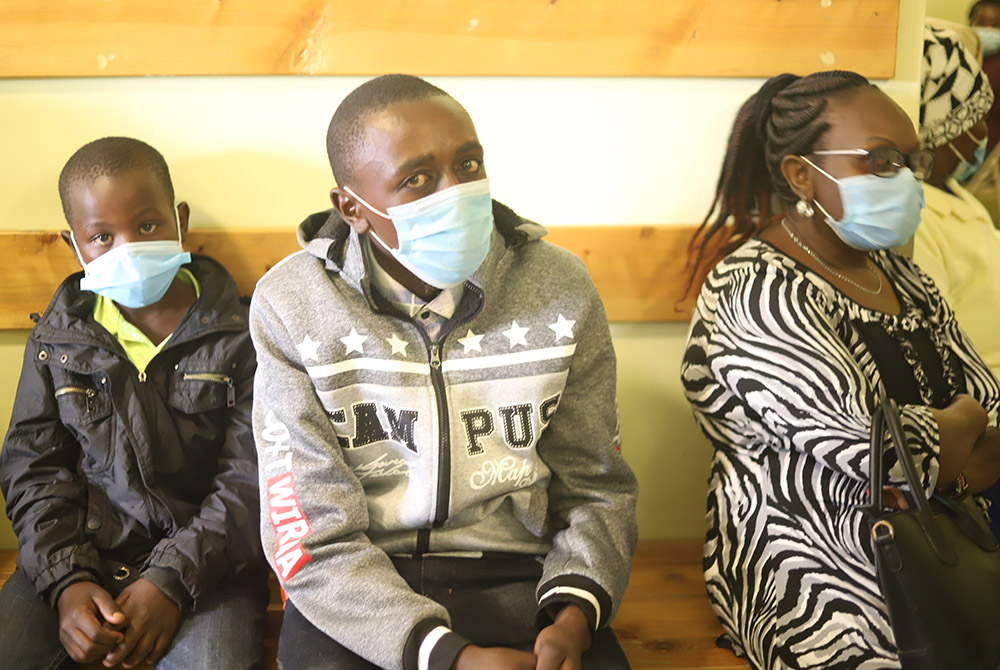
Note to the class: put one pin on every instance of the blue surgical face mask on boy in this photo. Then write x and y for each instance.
(990, 38)
(134, 274)
(879, 212)
(965, 169)
(443, 237)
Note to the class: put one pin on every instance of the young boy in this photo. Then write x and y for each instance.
(435, 415)
(129, 469)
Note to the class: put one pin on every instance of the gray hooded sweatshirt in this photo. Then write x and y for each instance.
(374, 441)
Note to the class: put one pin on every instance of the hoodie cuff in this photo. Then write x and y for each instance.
(581, 591)
(432, 646)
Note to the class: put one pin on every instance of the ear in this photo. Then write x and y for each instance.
(183, 212)
(67, 238)
(945, 162)
(349, 210)
(799, 177)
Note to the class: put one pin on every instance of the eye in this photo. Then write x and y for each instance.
(101, 238)
(147, 227)
(472, 164)
(885, 161)
(416, 181)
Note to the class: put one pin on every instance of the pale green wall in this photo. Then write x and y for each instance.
(248, 151)
(953, 10)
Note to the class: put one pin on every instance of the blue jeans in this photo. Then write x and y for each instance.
(225, 633)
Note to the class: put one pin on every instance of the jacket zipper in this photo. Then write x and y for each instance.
(217, 378)
(90, 393)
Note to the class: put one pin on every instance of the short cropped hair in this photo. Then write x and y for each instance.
(109, 157)
(346, 130)
(982, 3)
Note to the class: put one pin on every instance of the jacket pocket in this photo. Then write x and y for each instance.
(195, 392)
(81, 404)
(201, 400)
(86, 409)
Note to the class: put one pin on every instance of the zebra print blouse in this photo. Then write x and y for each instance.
(782, 384)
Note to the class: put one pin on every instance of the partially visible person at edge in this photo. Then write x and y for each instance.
(435, 415)
(957, 243)
(792, 332)
(129, 467)
(984, 17)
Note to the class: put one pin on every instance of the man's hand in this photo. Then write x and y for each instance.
(88, 619)
(152, 621)
(560, 646)
(494, 658)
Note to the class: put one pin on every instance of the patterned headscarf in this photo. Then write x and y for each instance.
(954, 93)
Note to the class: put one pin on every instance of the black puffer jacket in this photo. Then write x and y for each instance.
(103, 466)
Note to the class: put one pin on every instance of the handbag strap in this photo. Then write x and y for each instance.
(876, 445)
(887, 414)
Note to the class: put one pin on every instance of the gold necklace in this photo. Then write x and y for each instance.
(839, 275)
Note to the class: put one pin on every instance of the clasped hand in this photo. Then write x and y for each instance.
(557, 647)
(134, 628)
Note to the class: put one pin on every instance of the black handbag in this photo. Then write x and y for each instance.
(938, 566)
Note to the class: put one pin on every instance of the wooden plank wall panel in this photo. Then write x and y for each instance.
(639, 270)
(723, 38)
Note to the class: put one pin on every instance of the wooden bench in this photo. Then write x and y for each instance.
(664, 622)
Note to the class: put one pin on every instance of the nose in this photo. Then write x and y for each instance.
(448, 179)
(126, 238)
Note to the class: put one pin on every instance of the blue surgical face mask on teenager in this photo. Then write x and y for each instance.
(443, 237)
(965, 169)
(134, 274)
(879, 212)
(990, 38)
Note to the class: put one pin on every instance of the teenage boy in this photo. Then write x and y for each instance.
(129, 468)
(435, 415)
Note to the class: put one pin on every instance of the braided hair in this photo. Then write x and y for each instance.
(785, 117)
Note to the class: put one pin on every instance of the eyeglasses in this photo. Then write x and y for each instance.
(886, 161)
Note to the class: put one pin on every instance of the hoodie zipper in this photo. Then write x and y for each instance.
(443, 486)
(444, 426)
(444, 444)
(218, 379)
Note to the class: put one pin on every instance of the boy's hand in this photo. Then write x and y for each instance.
(88, 617)
(153, 619)
(495, 658)
(560, 646)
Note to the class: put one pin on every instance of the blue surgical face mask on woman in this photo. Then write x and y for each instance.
(879, 212)
(443, 237)
(990, 38)
(965, 169)
(134, 274)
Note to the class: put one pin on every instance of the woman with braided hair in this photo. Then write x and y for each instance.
(795, 326)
